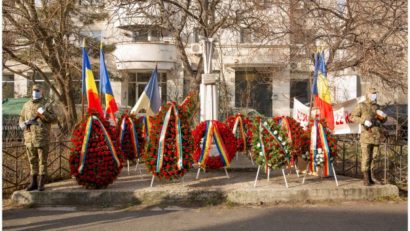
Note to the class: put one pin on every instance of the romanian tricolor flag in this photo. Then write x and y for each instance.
(89, 86)
(150, 99)
(321, 90)
(105, 88)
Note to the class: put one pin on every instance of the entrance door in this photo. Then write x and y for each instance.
(253, 90)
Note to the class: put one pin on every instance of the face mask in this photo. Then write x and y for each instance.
(373, 97)
(36, 95)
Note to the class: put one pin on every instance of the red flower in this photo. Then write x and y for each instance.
(227, 137)
(168, 171)
(98, 172)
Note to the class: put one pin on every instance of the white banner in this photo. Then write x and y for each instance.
(341, 113)
(301, 112)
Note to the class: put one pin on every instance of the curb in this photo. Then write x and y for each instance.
(158, 195)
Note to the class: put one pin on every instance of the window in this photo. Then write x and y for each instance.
(268, 3)
(154, 35)
(144, 35)
(245, 35)
(140, 36)
(91, 2)
(96, 34)
(341, 5)
(253, 92)
(195, 35)
(8, 86)
(137, 83)
(299, 89)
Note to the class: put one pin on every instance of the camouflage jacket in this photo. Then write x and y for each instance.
(37, 135)
(367, 111)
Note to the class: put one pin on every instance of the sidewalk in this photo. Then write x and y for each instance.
(212, 187)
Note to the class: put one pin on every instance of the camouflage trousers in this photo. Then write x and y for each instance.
(367, 156)
(37, 157)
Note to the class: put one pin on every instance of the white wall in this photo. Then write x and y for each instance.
(120, 92)
(281, 93)
(20, 86)
(344, 88)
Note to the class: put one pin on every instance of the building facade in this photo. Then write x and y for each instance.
(262, 75)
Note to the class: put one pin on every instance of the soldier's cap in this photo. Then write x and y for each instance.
(37, 86)
(372, 90)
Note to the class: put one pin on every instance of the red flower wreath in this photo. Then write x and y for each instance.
(100, 168)
(230, 122)
(169, 168)
(190, 106)
(273, 150)
(228, 138)
(330, 139)
(298, 138)
(127, 145)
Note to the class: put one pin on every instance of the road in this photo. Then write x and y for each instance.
(344, 216)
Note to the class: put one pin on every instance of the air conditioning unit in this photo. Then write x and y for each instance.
(196, 48)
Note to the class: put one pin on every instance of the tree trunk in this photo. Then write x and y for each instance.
(70, 112)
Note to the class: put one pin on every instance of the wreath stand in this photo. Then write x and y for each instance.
(320, 173)
(296, 169)
(239, 121)
(199, 171)
(153, 177)
(268, 176)
(319, 133)
(204, 169)
(136, 167)
(248, 153)
(213, 148)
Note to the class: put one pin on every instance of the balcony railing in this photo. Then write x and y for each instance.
(144, 55)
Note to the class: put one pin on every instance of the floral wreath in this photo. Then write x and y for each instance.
(189, 107)
(130, 136)
(270, 145)
(298, 138)
(241, 128)
(225, 139)
(323, 147)
(95, 158)
(168, 150)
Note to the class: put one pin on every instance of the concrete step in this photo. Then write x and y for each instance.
(212, 187)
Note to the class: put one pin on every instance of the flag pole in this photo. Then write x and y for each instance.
(82, 89)
(319, 49)
(311, 92)
(100, 86)
(311, 99)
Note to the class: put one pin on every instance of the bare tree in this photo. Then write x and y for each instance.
(209, 17)
(369, 37)
(42, 36)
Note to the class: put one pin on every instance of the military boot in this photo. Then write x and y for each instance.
(369, 173)
(373, 179)
(33, 183)
(366, 181)
(41, 183)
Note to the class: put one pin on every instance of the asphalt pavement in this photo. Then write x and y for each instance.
(361, 216)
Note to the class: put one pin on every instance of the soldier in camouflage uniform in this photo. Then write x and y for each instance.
(35, 119)
(368, 115)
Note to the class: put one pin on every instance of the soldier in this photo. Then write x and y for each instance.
(35, 119)
(368, 115)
